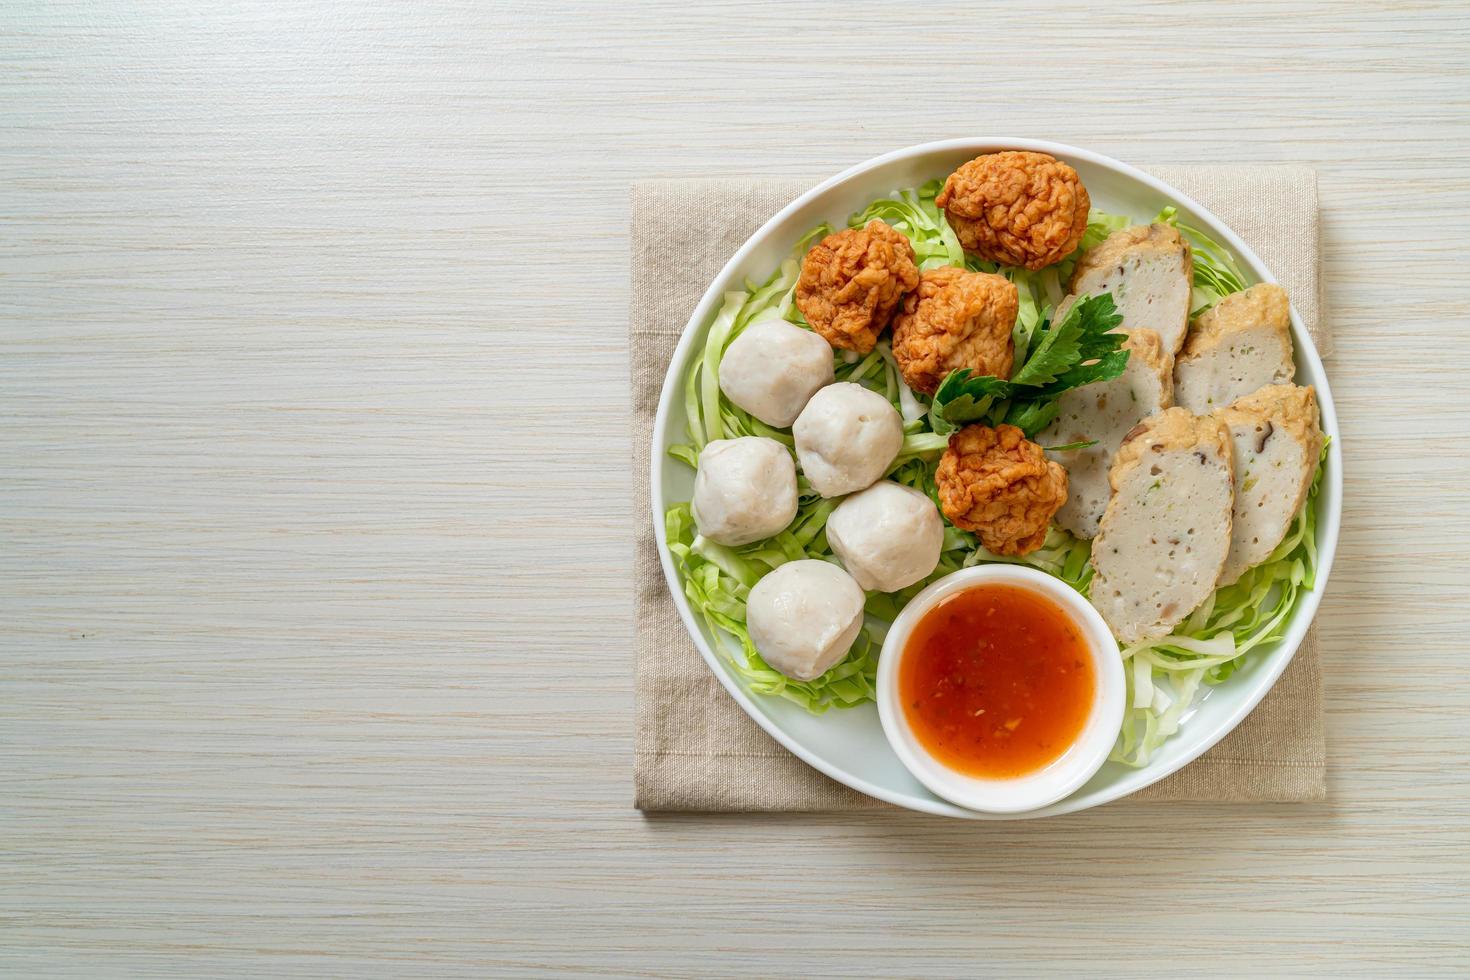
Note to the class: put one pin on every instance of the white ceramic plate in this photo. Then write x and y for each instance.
(848, 745)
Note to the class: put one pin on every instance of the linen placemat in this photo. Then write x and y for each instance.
(695, 748)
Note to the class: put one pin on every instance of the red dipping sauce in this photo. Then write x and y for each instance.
(996, 681)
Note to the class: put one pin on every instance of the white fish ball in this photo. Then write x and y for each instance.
(773, 368)
(744, 490)
(804, 616)
(846, 437)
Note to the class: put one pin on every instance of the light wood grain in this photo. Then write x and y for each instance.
(314, 521)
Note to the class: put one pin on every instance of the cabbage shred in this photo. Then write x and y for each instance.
(1164, 676)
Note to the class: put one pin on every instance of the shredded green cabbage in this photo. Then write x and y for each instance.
(1216, 274)
(717, 582)
(914, 213)
(1164, 676)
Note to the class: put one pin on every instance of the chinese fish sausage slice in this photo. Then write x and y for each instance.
(1238, 346)
(1105, 412)
(1150, 271)
(1277, 442)
(1166, 532)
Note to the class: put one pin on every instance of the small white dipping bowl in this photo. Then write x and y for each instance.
(1064, 775)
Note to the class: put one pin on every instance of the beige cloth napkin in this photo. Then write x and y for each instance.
(695, 748)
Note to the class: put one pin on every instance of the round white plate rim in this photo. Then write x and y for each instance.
(1329, 517)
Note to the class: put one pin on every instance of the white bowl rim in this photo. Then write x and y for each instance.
(1058, 779)
(1329, 517)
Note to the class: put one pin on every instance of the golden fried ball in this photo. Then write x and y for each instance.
(955, 319)
(852, 281)
(997, 483)
(1017, 208)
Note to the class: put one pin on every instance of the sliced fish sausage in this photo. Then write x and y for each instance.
(1150, 272)
(1277, 440)
(1105, 412)
(1238, 346)
(1166, 532)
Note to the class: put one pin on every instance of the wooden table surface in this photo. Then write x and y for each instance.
(315, 620)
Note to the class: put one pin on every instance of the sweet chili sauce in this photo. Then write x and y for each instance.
(996, 681)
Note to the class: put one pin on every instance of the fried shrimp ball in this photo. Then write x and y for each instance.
(852, 281)
(1016, 208)
(998, 484)
(955, 319)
